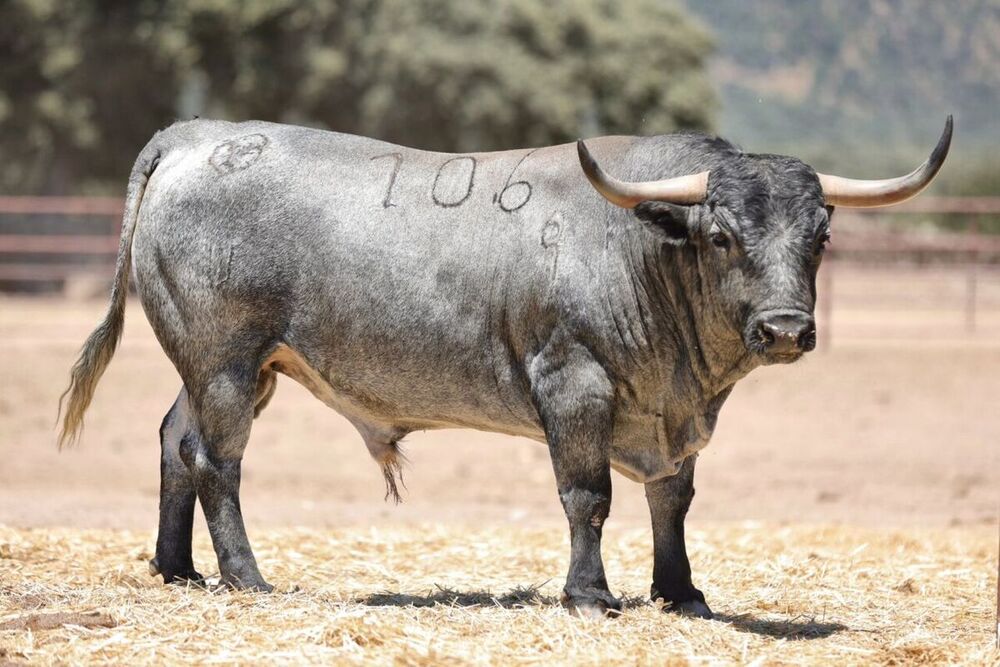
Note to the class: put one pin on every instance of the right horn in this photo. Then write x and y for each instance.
(688, 189)
(859, 193)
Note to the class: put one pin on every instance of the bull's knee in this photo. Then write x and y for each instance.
(680, 501)
(586, 506)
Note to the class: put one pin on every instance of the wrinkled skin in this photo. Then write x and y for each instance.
(498, 291)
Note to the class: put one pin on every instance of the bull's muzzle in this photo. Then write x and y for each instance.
(783, 336)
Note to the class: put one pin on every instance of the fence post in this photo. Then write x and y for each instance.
(970, 284)
(970, 299)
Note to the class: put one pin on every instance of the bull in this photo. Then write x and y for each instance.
(606, 316)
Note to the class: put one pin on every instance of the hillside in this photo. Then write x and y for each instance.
(875, 78)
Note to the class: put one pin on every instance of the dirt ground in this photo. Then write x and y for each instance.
(896, 423)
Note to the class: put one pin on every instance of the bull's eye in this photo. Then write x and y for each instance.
(719, 240)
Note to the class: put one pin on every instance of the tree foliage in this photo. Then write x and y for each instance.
(84, 84)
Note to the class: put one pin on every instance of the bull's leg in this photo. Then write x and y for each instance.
(669, 499)
(575, 406)
(224, 404)
(177, 498)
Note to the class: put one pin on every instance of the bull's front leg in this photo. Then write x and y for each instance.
(669, 499)
(574, 402)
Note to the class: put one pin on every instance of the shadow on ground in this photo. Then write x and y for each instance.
(796, 628)
(527, 596)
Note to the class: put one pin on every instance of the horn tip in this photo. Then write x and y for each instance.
(944, 143)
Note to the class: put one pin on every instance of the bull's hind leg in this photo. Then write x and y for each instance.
(177, 492)
(177, 497)
(224, 403)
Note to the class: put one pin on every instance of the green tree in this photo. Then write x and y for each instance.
(84, 84)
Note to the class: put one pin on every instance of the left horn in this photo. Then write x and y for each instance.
(858, 193)
(690, 189)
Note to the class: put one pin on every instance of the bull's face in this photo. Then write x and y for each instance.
(759, 225)
(759, 239)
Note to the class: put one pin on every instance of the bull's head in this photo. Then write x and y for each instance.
(759, 225)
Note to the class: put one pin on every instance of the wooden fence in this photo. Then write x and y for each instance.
(46, 242)
(52, 239)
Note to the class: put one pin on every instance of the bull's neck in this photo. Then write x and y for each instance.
(694, 345)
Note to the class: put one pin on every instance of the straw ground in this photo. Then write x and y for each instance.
(441, 594)
(884, 429)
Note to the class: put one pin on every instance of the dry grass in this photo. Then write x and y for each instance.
(446, 595)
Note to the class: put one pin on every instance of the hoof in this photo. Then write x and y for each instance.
(592, 604)
(693, 608)
(256, 585)
(684, 600)
(181, 576)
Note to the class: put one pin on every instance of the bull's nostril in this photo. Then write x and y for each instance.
(765, 334)
(807, 341)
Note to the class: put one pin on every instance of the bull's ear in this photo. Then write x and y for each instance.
(669, 219)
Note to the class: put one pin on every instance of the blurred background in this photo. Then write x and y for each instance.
(893, 420)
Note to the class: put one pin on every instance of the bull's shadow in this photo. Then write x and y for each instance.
(520, 597)
(797, 628)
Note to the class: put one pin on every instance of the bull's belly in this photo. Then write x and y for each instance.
(640, 449)
(377, 400)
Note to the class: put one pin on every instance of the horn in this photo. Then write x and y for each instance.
(689, 189)
(859, 193)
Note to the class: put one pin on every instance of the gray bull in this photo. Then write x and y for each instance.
(411, 290)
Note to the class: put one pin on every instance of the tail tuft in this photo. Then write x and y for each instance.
(87, 371)
(391, 463)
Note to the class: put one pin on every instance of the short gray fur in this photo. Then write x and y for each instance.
(413, 290)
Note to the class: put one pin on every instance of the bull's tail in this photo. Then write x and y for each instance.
(100, 346)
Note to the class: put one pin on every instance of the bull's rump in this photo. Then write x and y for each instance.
(281, 235)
